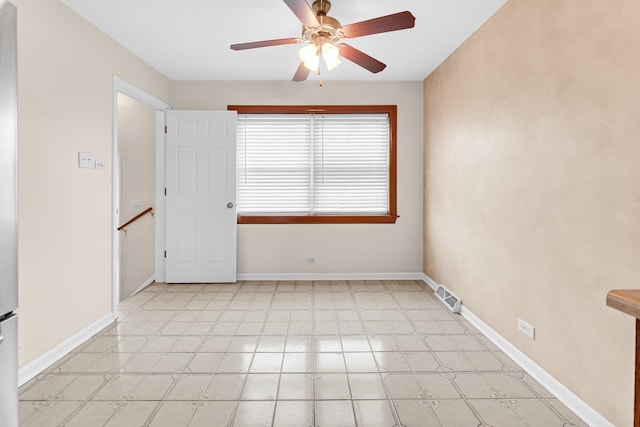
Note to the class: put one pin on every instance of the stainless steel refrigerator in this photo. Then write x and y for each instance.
(8, 218)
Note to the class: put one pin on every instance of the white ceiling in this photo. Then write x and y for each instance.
(189, 39)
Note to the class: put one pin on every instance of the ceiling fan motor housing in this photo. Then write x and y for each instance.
(321, 7)
(330, 29)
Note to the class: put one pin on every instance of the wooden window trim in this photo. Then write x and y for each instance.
(391, 110)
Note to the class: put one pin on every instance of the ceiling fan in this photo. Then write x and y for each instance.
(323, 35)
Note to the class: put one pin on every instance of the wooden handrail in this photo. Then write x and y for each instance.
(135, 218)
(628, 301)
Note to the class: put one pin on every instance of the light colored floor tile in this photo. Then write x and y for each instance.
(45, 414)
(216, 344)
(330, 362)
(329, 344)
(266, 362)
(296, 387)
(301, 316)
(254, 414)
(298, 362)
(103, 344)
(535, 386)
(392, 362)
(224, 387)
(353, 343)
(152, 387)
(326, 328)
(250, 328)
(330, 353)
(131, 414)
(300, 328)
(437, 386)
(438, 327)
(63, 387)
(336, 413)
(260, 387)
(332, 387)
(293, 414)
(572, 419)
(272, 344)
(512, 412)
(207, 363)
(189, 387)
(121, 414)
(403, 386)
(383, 343)
(235, 363)
(372, 413)
(469, 361)
(367, 386)
(245, 344)
(454, 343)
(299, 344)
(172, 344)
(360, 362)
(213, 414)
(420, 361)
(410, 343)
(158, 362)
(455, 413)
(492, 384)
(350, 327)
(120, 387)
(173, 414)
(416, 413)
(95, 362)
(432, 314)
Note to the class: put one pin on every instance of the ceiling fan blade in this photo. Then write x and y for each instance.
(383, 24)
(360, 58)
(304, 12)
(301, 73)
(264, 43)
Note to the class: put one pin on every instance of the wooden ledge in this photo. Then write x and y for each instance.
(625, 300)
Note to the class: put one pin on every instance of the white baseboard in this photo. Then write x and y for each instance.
(329, 276)
(553, 386)
(146, 283)
(35, 367)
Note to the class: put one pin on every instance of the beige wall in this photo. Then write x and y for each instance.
(137, 147)
(532, 185)
(65, 106)
(377, 248)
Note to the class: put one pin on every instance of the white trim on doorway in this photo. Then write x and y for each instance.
(124, 87)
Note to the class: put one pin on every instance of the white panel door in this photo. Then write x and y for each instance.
(200, 197)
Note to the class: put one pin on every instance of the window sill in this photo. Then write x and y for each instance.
(318, 219)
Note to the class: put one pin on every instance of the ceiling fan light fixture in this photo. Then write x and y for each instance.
(309, 56)
(331, 55)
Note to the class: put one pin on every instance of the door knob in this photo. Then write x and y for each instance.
(229, 205)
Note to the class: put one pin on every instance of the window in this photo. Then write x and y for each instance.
(327, 164)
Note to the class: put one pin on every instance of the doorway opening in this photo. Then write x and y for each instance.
(138, 123)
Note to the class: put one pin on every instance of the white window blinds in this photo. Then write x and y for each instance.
(312, 164)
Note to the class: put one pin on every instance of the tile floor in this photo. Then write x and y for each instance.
(356, 353)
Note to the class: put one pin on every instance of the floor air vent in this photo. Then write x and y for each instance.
(451, 301)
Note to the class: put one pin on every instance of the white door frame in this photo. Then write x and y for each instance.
(122, 86)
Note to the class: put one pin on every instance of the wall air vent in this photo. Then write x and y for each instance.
(450, 301)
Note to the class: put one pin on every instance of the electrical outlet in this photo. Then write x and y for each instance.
(527, 329)
(311, 259)
(85, 160)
